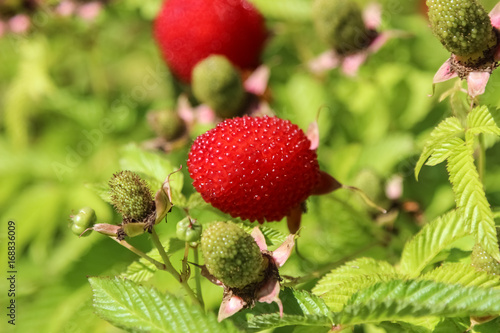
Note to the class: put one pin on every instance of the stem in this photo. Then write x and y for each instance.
(141, 254)
(169, 268)
(481, 160)
(197, 276)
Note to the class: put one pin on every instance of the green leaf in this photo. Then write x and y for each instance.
(338, 286)
(480, 120)
(272, 236)
(463, 274)
(102, 190)
(396, 300)
(300, 308)
(294, 10)
(142, 270)
(137, 308)
(432, 239)
(441, 136)
(471, 199)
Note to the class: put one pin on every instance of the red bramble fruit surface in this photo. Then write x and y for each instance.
(188, 31)
(254, 168)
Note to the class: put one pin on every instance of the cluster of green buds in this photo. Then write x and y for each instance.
(482, 261)
(82, 221)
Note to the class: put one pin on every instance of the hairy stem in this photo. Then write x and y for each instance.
(169, 268)
(197, 276)
(141, 254)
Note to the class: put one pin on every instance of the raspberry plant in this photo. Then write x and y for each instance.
(220, 139)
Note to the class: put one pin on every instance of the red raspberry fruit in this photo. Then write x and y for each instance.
(188, 31)
(254, 168)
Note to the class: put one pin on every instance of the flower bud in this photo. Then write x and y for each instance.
(131, 196)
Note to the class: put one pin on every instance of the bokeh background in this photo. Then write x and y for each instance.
(75, 89)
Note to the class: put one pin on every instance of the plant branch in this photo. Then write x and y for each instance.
(141, 254)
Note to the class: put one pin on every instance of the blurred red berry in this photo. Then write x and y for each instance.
(188, 31)
(254, 168)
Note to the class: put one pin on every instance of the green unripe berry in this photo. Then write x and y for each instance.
(217, 83)
(166, 124)
(85, 219)
(340, 24)
(231, 255)
(188, 230)
(462, 26)
(482, 261)
(131, 196)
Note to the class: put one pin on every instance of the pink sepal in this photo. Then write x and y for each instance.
(89, 11)
(476, 82)
(380, 41)
(372, 16)
(19, 24)
(282, 253)
(258, 236)
(495, 16)
(324, 62)
(313, 135)
(444, 73)
(230, 306)
(269, 293)
(201, 113)
(256, 83)
(351, 63)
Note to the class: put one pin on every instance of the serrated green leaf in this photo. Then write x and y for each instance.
(395, 300)
(480, 120)
(300, 308)
(272, 236)
(462, 274)
(102, 190)
(274, 320)
(355, 268)
(441, 136)
(471, 199)
(137, 308)
(338, 286)
(142, 270)
(432, 239)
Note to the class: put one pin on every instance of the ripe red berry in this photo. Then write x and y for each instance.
(254, 168)
(188, 31)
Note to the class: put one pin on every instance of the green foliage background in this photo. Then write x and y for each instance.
(73, 94)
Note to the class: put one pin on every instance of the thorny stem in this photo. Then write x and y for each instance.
(158, 264)
(197, 276)
(169, 268)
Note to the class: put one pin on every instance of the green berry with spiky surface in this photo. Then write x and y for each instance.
(217, 83)
(131, 196)
(462, 26)
(482, 261)
(340, 23)
(231, 255)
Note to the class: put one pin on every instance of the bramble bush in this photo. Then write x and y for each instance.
(246, 166)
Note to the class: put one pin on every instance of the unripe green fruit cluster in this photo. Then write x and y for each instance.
(188, 230)
(462, 26)
(85, 219)
(217, 83)
(482, 261)
(340, 24)
(131, 196)
(231, 255)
